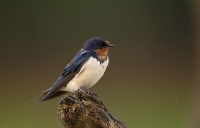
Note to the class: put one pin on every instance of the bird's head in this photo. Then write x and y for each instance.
(98, 45)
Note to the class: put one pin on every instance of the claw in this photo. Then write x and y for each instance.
(79, 89)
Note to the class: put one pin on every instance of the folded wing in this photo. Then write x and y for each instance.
(67, 74)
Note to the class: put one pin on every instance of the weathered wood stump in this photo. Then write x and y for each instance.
(86, 111)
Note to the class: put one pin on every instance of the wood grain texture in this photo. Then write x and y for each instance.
(86, 111)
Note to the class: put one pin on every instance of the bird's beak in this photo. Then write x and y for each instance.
(111, 45)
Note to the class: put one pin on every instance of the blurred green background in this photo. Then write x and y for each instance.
(148, 83)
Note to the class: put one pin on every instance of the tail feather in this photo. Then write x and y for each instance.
(36, 96)
(44, 96)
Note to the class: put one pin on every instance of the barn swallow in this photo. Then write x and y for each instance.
(84, 70)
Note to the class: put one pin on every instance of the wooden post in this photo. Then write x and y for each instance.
(86, 111)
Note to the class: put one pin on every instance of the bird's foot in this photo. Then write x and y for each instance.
(79, 89)
(85, 90)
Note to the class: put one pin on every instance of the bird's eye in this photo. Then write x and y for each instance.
(101, 44)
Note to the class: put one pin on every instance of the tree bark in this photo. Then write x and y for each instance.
(86, 111)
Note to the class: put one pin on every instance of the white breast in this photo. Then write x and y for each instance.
(89, 75)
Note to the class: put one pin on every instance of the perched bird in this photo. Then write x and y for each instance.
(84, 70)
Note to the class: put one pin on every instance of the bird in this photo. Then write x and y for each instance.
(83, 71)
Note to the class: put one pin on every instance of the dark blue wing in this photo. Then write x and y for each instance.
(76, 63)
(67, 74)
